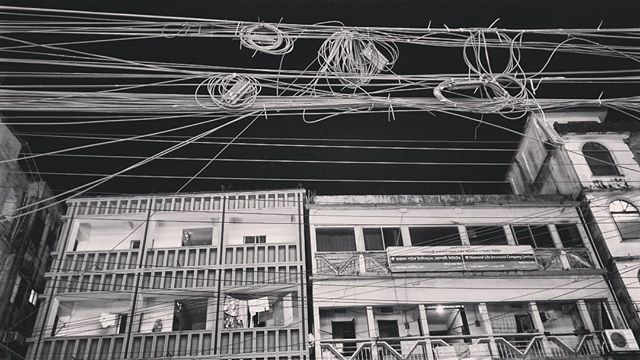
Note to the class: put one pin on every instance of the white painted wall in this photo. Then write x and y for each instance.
(277, 228)
(620, 152)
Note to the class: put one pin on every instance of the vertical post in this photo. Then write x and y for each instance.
(510, 238)
(360, 247)
(485, 320)
(558, 242)
(584, 315)
(425, 331)
(537, 322)
(373, 332)
(139, 272)
(464, 237)
(317, 333)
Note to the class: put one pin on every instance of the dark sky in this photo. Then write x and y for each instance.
(411, 137)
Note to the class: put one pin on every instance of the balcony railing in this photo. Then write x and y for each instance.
(498, 346)
(191, 344)
(98, 260)
(188, 256)
(178, 279)
(115, 281)
(260, 340)
(261, 253)
(376, 262)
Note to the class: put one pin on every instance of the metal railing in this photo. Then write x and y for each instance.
(376, 262)
(498, 346)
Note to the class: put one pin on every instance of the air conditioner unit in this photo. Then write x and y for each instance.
(13, 337)
(620, 340)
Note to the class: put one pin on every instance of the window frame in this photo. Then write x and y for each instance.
(353, 232)
(617, 220)
(384, 239)
(595, 161)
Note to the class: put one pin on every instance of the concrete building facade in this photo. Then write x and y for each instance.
(203, 275)
(456, 277)
(28, 231)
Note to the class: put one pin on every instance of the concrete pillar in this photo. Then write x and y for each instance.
(316, 332)
(425, 331)
(485, 320)
(537, 322)
(359, 233)
(511, 240)
(462, 230)
(406, 236)
(373, 332)
(558, 242)
(584, 315)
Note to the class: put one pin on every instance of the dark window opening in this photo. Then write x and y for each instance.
(487, 235)
(190, 314)
(569, 235)
(599, 159)
(538, 236)
(135, 244)
(381, 238)
(258, 239)
(389, 329)
(435, 236)
(345, 330)
(122, 323)
(197, 237)
(335, 239)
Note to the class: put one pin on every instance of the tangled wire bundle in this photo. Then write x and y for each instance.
(354, 58)
(503, 92)
(266, 38)
(231, 92)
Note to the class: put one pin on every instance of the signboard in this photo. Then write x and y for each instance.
(461, 258)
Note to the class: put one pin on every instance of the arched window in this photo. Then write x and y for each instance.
(627, 219)
(599, 159)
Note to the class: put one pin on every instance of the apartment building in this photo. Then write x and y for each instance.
(201, 275)
(27, 235)
(457, 277)
(603, 151)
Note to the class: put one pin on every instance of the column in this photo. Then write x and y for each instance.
(537, 322)
(316, 332)
(558, 242)
(425, 331)
(584, 315)
(373, 332)
(485, 320)
(510, 238)
(360, 248)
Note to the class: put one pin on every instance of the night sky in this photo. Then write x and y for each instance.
(410, 137)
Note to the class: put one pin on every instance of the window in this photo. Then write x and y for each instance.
(599, 314)
(538, 236)
(135, 244)
(626, 218)
(569, 235)
(381, 238)
(197, 237)
(487, 235)
(335, 239)
(122, 323)
(599, 159)
(190, 314)
(435, 236)
(258, 239)
(33, 297)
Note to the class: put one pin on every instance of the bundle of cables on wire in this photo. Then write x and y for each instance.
(354, 57)
(502, 92)
(266, 38)
(231, 92)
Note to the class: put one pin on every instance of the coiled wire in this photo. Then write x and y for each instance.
(266, 38)
(354, 58)
(231, 92)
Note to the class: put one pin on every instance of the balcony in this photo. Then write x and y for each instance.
(376, 262)
(114, 281)
(192, 344)
(98, 260)
(498, 346)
